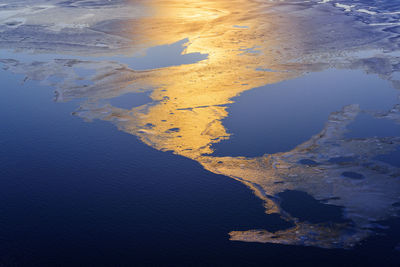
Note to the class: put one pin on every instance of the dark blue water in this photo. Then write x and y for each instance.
(392, 158)
(85, 194)
(366, 126)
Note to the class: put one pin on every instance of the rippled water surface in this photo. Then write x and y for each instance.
(179, 133)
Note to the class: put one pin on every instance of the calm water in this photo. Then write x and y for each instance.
(180, 133)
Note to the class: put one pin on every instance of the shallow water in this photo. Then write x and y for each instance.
(277, 118)
(199, 133)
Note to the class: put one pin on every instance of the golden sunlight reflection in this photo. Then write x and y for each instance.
(192, 97)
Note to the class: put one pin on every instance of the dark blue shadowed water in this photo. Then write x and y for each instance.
(305, 208)
(85, 194)
(73, 192)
